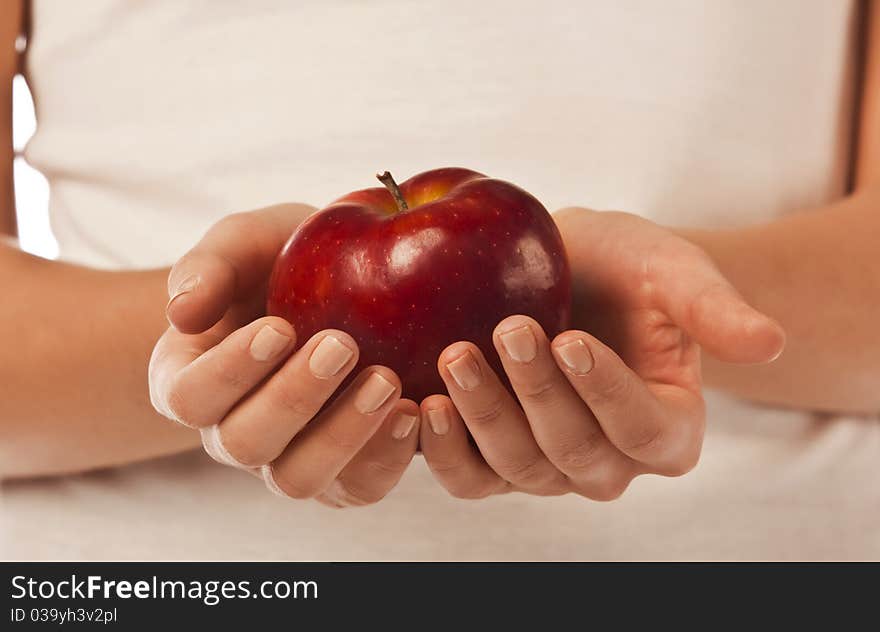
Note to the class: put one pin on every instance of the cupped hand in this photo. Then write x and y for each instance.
(227, 370)
(594, 410)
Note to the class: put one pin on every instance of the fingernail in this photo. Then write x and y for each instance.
(520, 344)
(329, 357)
(269, 478)
(268, 343)
(220, 453)
(187, 285)
(403, 426)
(576, 356)
(373, 393)
(438, 419)
(465, 371)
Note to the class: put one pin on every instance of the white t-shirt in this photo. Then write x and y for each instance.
(157, 118)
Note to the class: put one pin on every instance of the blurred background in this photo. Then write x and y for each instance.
(31, 188)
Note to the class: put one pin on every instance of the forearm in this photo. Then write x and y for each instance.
(818, 274)
(10, 27)
(74, 349)
(7, 196)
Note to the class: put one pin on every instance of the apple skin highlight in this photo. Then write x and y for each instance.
(468, 252)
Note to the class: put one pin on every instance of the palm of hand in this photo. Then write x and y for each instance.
(626, 285)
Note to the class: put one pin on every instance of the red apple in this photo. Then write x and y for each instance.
(407, 271)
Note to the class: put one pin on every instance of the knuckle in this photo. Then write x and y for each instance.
(338, 441)
(454, 477)
(648, 440)
(577, 454)
(295, 402)
(610, 491)
(385, 469)
(236, 223)
(614, 388)
(675, 450)
(607, 488)
(540, 392)
(684, 462)
(444, 467)
(533, 474)
(250, 223)
(685, 447)
(487, 413)
(229, 372)
(706, 296)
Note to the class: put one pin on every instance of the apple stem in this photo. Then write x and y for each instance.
(388, 180)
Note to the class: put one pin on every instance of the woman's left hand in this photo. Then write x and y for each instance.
(588, 419)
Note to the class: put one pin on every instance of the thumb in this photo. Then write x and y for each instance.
(231, 262)
(708, 308)
(730, 329)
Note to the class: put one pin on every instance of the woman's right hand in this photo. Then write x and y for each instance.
(228, 371)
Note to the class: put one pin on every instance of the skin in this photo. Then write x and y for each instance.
(264, 414)
(867, 165)
(11, 20)
(637, 409)
(586, 418)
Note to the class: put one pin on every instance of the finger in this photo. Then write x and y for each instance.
(377, 468)
(214, 447)
(663, 430)
(235, 256)
(197, 384)
(563, 425)
(314, 459)
(702, 302)
(259, 428)
(495, 420)
(455, 462)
